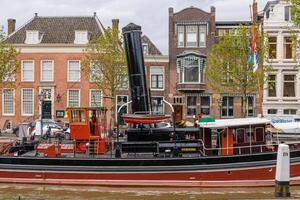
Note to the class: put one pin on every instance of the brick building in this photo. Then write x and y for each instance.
(51, 50)
(192, 32)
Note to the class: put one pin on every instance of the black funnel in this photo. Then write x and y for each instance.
(136, 70)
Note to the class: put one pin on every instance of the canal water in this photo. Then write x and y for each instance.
(45, 192)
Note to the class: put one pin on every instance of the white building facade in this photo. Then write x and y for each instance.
(282, 90)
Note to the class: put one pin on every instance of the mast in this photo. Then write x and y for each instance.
(136, 70)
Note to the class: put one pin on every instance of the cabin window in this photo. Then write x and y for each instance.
(272, 47)
(240, 135)
(259, 134)
(249, 134)
(78, 116)
(289, 86)
(272, 85)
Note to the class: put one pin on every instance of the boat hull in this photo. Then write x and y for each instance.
(196, 172)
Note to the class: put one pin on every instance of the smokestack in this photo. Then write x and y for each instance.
(11, 26)
(136, 70)
(213, 20)
(254, 11)
(115, 23)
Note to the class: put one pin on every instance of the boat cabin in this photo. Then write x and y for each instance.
(87, 127)
(235, 136)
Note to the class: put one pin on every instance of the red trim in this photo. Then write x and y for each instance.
(235, 178)
(144, 119)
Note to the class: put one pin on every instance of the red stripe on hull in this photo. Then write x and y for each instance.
(235, 178)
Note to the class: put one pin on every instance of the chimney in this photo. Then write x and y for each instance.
(11, 26)
(115, 23)
(254, 11)
(171, 11)
(213, 20)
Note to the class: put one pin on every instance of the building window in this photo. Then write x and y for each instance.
(33, 37)
(95, 71)
(27, 102)
(250, 106)
(191, 36)
(289, 50)
(272, 47)
(272, 86)
(202, 36)
(191, 105)
(221, 32)
(95, 98)
(191, 71)
(227, 106)
(268, 14)
(8, 106)
(157, 78)
(74, 70)
(121, 100)
(47, 70)
(289, 86)
(272, 111)
(73, 98)
(27, 72)
(289, 111)
(81, 37)
(180, 35)
(145, 49)
(287, 13)
(157, 105)
(205, 105)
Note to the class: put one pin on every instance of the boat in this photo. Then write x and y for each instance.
(214, 153)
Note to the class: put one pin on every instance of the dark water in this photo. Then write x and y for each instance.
(45, 192)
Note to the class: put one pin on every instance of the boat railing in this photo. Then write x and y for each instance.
(247, 149)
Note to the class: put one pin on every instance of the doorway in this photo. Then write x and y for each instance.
(47, 110)
(178, 113)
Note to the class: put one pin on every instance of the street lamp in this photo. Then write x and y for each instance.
(42, 97)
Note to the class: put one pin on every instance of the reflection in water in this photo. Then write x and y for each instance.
(45, 192)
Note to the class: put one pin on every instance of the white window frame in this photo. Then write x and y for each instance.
(8, 114)
(79, 99)
(68, 72)
(179, 34)
(163, 105)
(227, 107)
(52, 69)
(90, 97)
(145, 45)
(81, 40)
(199, 76)
(295, 85)
(210, 105)
(35, 39)
(22, 108)
(187, 33)
(205, 36)
(22, 74)
(157, 73)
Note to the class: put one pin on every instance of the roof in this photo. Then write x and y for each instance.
(269, 3)
(290, 127)
(152, 49)
(224, 123)
(58, 30)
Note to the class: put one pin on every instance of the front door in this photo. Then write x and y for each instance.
(46, 110)
(178, 113)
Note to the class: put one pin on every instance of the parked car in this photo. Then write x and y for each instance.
(50, 129)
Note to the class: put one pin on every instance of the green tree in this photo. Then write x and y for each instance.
(228, 69)
(9, 64)
(105, 62)
(295, 11)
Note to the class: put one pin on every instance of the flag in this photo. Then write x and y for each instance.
(250, 56)
(254, 49)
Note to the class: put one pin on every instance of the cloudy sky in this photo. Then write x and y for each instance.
(152, 15)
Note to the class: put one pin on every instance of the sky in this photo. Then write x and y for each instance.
(152, 15)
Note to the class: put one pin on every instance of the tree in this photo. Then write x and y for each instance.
(295, 11)
(105, 62)
(9, 64)
(228, 69)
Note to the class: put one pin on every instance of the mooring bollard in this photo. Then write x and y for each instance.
(282, 179)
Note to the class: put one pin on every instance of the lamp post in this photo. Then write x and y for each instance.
(42, 97)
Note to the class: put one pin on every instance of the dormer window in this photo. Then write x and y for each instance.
(81, 37)
(145, 49)
(33, 37)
